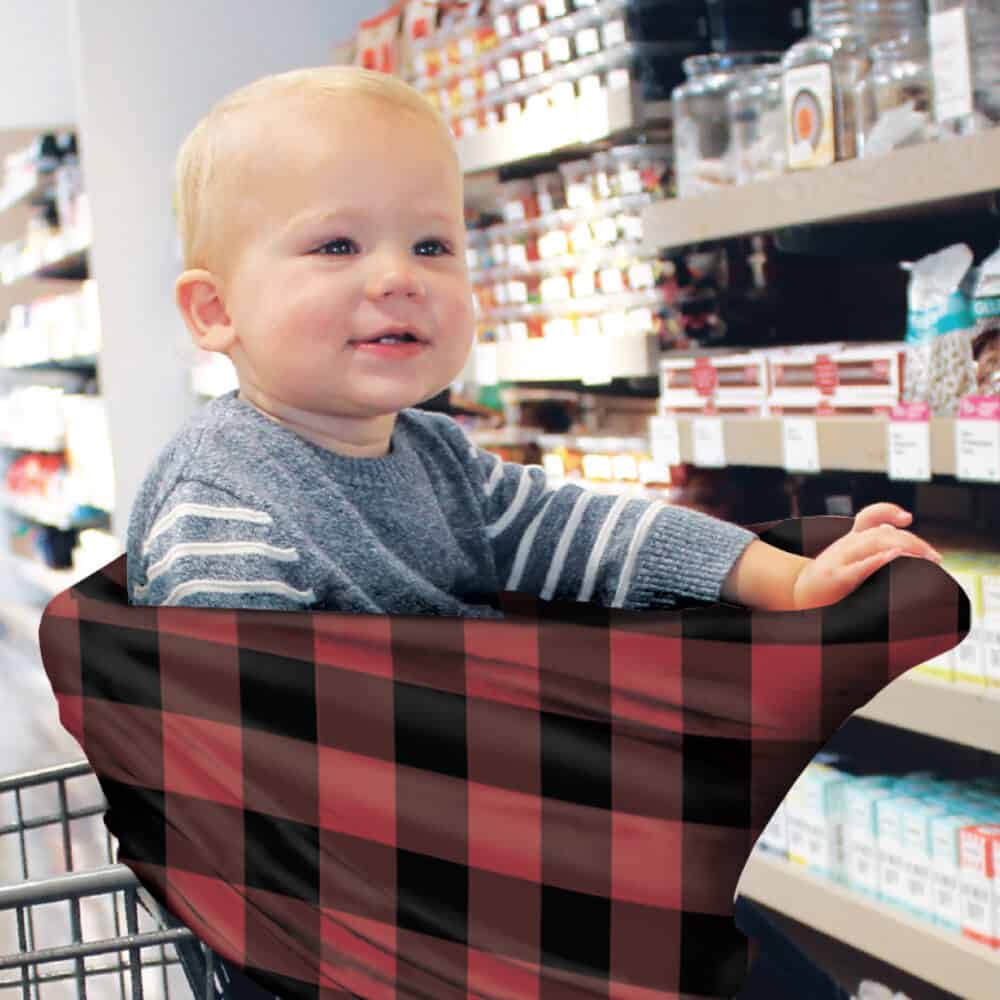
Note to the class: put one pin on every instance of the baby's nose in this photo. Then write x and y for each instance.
(398, 280)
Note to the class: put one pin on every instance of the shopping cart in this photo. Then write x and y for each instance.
(59, 881)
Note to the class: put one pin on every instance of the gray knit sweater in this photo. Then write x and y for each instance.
(240, 512)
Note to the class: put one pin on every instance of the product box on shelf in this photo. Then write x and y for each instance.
(946, 869)
(891, 859)
(774, 836)
(861, 832)
(816, 821)
(727, 379)
(978, 868)
(869, 375)
(917, 855)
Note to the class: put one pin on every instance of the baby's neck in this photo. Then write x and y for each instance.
(350, 437)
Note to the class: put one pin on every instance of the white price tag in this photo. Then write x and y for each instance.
(977, 439)
(593, 119)
(533, 62)
(588, 42)
(517, 253)
(708, 442)
(800, 444)
(595, 360)
(605, 230)
(584, 284)
(641, 276)
(559, 50)
(910, 443)
(611, 281)
(614, 33)
(486, 364)
(529, 17)
(554, 466)
(555, 8)
(665, 441)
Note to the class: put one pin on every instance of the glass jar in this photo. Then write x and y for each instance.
(965, 62)
(757, 121)
(883, 20)
(701, 118)
(894, 101)
(819, 78)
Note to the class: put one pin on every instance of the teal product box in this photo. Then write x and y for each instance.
(861, 832)
(891, 859)
(917, 855)
(946, 899)
(821, 811)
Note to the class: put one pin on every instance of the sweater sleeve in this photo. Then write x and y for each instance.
(208, 548)
(571, 543)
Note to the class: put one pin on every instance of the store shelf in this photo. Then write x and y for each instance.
(53, 514)
(49, 581)
(579, 121)
(591, 359)
(846, 443)
(901, 183)
(948, 961)
(950, 712)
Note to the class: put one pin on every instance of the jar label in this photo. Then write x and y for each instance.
(950, 63)
(810, 127)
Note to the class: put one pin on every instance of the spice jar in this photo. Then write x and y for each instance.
(642, 169)
(894, 101)
(520, 201)
(550, 192)
(701, 118)
(757, 120)
(578, 181)
(819, 76)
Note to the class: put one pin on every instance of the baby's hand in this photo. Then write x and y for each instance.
(843, 566)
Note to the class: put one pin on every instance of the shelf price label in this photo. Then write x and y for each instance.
(665, 441)
(708, 442)
(486, 364)
(977, 439)
(909, 444)
(800, 445)
(596, 359)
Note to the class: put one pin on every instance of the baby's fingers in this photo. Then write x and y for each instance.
(854, 574)
(885, 537)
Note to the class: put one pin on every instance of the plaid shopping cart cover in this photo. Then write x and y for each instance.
(556, 805)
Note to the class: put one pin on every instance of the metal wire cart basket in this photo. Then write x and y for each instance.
(72, 922)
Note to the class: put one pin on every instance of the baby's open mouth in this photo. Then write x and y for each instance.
(392, 337)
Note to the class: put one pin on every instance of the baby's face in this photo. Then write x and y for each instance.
(350, 227)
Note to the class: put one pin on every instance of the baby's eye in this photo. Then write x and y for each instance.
(338, 247)
(432, 248)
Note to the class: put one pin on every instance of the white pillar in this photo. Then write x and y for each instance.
(147, 72)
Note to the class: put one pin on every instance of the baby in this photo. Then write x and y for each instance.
(321, 215)
(324, 250)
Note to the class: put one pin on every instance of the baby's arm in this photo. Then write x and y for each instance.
(208, 548)
(771, 579)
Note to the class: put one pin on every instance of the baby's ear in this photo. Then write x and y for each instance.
(199, 298)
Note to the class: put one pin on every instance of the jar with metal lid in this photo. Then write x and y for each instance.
(702, 133)
(819, 77)
(757, 121)
(965, 62)
(894, 100)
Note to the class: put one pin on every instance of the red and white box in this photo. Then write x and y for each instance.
(727, 379)
(978, 857)
(867, 375)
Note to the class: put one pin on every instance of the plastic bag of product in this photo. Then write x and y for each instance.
(986, 336)
(939, 365)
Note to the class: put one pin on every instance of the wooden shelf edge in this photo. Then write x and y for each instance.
(901, 182)
(948, 961)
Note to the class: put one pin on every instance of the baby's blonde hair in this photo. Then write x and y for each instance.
(205, 162)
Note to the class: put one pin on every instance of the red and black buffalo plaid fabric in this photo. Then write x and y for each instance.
(556, 805)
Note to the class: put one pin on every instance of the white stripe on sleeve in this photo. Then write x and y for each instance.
(641, 530)
(279, 587)
(565, 539)
(524, 487)
(188, 509)
(597, 552)
(183, 549)
(527, 540)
